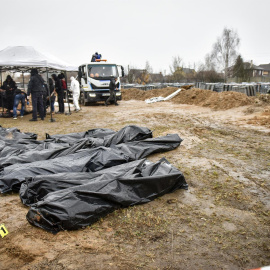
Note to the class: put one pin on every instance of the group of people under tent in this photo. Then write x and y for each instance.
(42, 95)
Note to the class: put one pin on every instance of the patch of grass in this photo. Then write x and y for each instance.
(159, 130)
(137, 222)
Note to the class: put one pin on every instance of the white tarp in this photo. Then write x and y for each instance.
(158, 99)
(27, 56)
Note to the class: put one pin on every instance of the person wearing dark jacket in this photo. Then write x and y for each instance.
(19, 96)
(113, 86)
(36, 88)
(96, 57)
(9, 86)
(60, 93)
(63, 81)
(45, 96)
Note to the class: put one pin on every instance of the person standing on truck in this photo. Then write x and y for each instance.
(95, 57)
(60, 93)
(98, 56)
(75, 88)
(113, 86)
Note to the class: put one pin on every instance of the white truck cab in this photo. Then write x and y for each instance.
(94, 79)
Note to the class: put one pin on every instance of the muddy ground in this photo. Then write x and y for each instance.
(221, 222)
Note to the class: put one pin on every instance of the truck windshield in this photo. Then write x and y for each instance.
(102, 71)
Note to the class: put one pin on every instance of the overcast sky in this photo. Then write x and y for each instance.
(130, 32)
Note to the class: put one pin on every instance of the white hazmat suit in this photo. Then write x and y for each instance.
(75, 88)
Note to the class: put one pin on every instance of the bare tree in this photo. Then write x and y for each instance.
(144, 78)
(206, 72)
(209, 62)
(225, 49)
(148, 68)
(176, 64)
(177, 69)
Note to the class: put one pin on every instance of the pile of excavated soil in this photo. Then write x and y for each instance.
(137, 94)
(263, 118)
(262, 100)
(260, 107)
(207, 98)
(194, 96)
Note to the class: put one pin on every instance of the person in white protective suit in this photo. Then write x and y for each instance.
(75, 88)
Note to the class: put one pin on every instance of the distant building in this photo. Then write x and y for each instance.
(254, 71)
(134, 74)
(156, 77)
(188, 70)
(266, 69)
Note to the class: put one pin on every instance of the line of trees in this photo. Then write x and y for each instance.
(215, 68)
(221, 58)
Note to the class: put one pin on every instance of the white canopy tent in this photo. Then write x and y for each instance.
(23, 58)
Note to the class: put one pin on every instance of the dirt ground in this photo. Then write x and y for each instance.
(221, 222)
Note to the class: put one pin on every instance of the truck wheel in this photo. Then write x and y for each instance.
(82, 100)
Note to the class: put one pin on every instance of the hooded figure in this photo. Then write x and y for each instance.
(95, 57)
(112, 86)
(60, 93)
(10, 86)
(75, 88)
(63, 80)
(36, 88)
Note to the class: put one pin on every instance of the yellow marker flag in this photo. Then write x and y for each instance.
(3, 230)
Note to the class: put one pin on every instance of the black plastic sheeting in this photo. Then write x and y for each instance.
(71, 137)
(127, 134)
(14, 133)
(79, 206)
(71, 180)
(54, 150)
(109, 137)
(94, 159)
(12, 147)
(35, 188)
(141, 149)
(15, 153)
(85, 160)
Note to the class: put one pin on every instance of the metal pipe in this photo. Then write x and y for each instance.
(23, 79)
(2, 98)
(49, 95)
(69, 113)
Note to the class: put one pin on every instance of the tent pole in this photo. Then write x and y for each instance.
(49, 95)
(23, 79)
(69, 113)
(2, 98)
